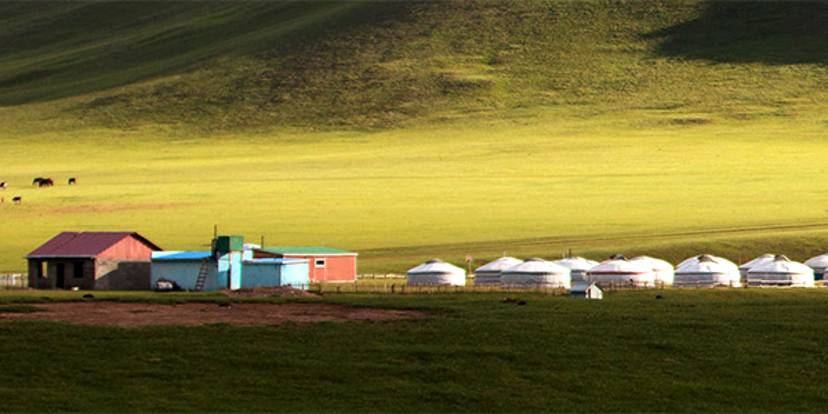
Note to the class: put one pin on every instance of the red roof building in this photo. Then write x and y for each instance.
(92, 260)
(326, 264)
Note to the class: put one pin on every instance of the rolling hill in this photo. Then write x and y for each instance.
(231, 65)
(417, 129)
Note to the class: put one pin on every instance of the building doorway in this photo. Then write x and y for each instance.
(60, 271)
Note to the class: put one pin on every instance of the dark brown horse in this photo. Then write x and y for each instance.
(3, 185)
(17, 200)
(72, 181)
(46, 182)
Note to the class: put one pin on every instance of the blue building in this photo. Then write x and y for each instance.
(227, 266)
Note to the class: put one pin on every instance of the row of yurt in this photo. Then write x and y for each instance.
(698, 271)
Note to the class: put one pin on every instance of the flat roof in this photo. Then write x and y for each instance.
(274, 260)
(307, 250)
(180, 256)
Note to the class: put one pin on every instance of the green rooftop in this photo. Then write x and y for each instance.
(305, 250)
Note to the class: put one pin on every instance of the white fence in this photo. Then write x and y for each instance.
(13, 281)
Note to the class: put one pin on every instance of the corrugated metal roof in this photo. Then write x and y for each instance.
(84, 244)
(309, 250)
(180, 256)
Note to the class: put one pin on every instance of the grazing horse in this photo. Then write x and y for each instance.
(3, 185)
(37, 180)
(46, 182)
(17, 200)
(72, 181)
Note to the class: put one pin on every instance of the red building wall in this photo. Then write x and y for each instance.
(336, 269)
(128, 249)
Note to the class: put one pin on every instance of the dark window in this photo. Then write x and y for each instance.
(319, 262)
(78, 270)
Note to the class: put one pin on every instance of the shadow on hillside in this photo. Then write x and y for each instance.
(751, 32)
(53, 50)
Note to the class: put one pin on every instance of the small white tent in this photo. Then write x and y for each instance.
(619, 271)
(745, 268)
(662, 269)
(578, 267)
(436, 272)
(707, 271)
(489, 273)
(781, 271)
(819, 264)
(536, 273)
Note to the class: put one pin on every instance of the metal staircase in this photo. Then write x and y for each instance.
(202, 275)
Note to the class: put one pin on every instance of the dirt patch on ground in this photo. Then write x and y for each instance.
(146, 314)
(281, 292)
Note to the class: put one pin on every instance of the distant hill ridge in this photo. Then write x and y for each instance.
(236, 65)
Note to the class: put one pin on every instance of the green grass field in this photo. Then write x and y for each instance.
(418, 130)
(713, 351)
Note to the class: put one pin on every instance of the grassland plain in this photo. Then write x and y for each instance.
(711, 351)
(421, 129)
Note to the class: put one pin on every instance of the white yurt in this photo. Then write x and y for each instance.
(707, 271)
(489, 273)
(781, 271)
(745, 268)
(819, 264)
(663, 270)
(578, 267)
(619, 271)
(536, 273)
(695, 259)
(436, 272)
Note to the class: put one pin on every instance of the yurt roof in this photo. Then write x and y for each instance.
(539, 266)
(695, 259)
(622, 266)
(437, 266)
(500, 264)
(576, 263)
(707, 264)
(657, 265)
(820, 261)
(781, 264)
(767, 257)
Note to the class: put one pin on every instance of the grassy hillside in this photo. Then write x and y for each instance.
(231, 65)
(410, 130)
